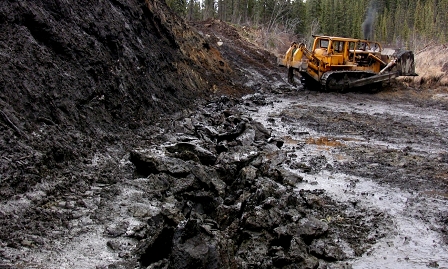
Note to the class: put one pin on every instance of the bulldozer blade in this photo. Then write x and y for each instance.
(405, 63)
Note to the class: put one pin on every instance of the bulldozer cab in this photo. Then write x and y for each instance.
(337, 47)
(340, 52)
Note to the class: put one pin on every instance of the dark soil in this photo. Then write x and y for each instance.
(126, 143)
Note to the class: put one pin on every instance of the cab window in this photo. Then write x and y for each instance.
(324, 43)
(374, 47)
(337, 46)
(351, 46)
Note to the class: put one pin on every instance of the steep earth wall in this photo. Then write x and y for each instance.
(86, 63)
(76, 75)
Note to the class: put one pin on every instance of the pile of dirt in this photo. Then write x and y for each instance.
(229, 200)
(431, 66)
(90, 64)
(256, 68)
(77, 76)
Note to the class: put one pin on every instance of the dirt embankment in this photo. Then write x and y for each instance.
(76, 78)
(253, 66)
(432, 67)
(93, 63)
(75, 75)
(431, 84)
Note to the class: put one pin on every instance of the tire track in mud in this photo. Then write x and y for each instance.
(373, 153)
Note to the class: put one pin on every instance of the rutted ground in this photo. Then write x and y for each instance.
(375, 153)
(267, 181)
(110, 158)
(215, 192)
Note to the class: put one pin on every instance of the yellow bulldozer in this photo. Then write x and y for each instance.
(339, 63)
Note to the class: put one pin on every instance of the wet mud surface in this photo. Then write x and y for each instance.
(375, 152)
(118, 151)
(295, 180)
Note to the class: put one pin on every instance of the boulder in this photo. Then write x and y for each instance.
(188, 151)
(194, 249)
(233, 133)
(158, 242)
(248, 173)
(253, 251)
(261, 133)
(311, 227)
(327, 249)
(152, 162)
(289, 178)
(209, 176)
(247, 137)
(260, 218)
(241, 156)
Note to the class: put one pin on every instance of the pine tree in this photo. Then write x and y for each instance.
(405, 21)
(178, 6)
(313, 10)
(209, 9)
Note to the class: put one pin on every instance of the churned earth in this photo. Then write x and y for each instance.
(384, 151)
(131, 139)
(300, 179)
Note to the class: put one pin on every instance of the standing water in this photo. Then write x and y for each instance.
(415, 239)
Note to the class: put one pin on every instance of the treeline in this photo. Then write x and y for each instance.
(406, 22)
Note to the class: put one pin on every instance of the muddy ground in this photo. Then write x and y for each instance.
(133, 140)
(313, 180)
(383, 151)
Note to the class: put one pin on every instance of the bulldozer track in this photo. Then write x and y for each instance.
(342, 79)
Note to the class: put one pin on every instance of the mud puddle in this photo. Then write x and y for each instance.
(414, 239)
(90, 237)
(413, 243)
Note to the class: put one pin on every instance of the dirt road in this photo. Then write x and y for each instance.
(384, 151)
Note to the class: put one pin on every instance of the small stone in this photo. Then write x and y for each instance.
(27, 243)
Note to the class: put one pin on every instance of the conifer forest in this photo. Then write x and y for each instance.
(408, 23)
